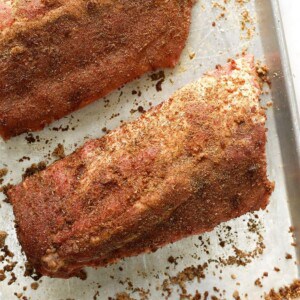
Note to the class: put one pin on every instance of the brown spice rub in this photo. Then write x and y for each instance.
(66, 56)
(187, 275)
(3, 173)
(34, 168)
(287, 292)
(180, 169)
(3, 236)
(59, 151)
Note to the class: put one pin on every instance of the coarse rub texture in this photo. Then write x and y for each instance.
(182, 168)
(57, 56)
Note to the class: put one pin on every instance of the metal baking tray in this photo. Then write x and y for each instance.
(263, 239)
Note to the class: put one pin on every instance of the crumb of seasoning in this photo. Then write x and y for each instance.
(288, 256)
(96, 295)
(258, 283)
(61, 128)
(2, 275)
(160, 78)
(34, 286)
(122, 296)
(286, 292)
(263, 73)
(3, 173)
(24, 158)
(172, 259)
(213, 24)
(12, 279)
(222, 244)
(187, 275)
(10, 266)
(276, 269)
(159, 85)
(265, 274)
(4, 189)
(82, 275)
(291, 229)
(236, 295)
(30, 138)
(34, 168)
(30, 272)
(192, 55)
(242, 2)
(3, 236)
(7, 252)
(141, 109)
(59, 151)
(233, 276)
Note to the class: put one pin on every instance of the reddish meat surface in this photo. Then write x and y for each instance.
(57, 56)
(6, 15)
(182, 168)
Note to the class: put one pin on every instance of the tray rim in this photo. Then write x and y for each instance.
(294, 114)
(285, 60)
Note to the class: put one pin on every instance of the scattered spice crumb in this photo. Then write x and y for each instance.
(82, 275)
(192, 55)
(122, 296)
(236, 295)
(30, 138)
(242, 2)
(258, 283)
(3, 236)
(30, 272)
(96, 295)
(287, 292)
(12, 279)
(59, 151)
(263, 73)
(291, 229)
(172, 260)
(187, 275)
(3, 173)
(160, 78)
(141, 109)
(2, 275)
(34, 286)
(61, 128)
(24, 158)
(34, 168)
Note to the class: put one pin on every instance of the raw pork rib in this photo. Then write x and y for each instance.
(57, 56)
(180, 169)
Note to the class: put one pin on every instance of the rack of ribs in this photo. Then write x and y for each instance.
(57, 56)
(182, 168)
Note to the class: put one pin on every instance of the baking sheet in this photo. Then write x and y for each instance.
(263, 239)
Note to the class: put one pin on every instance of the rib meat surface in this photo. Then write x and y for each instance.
(57, 56)
(182, 168)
